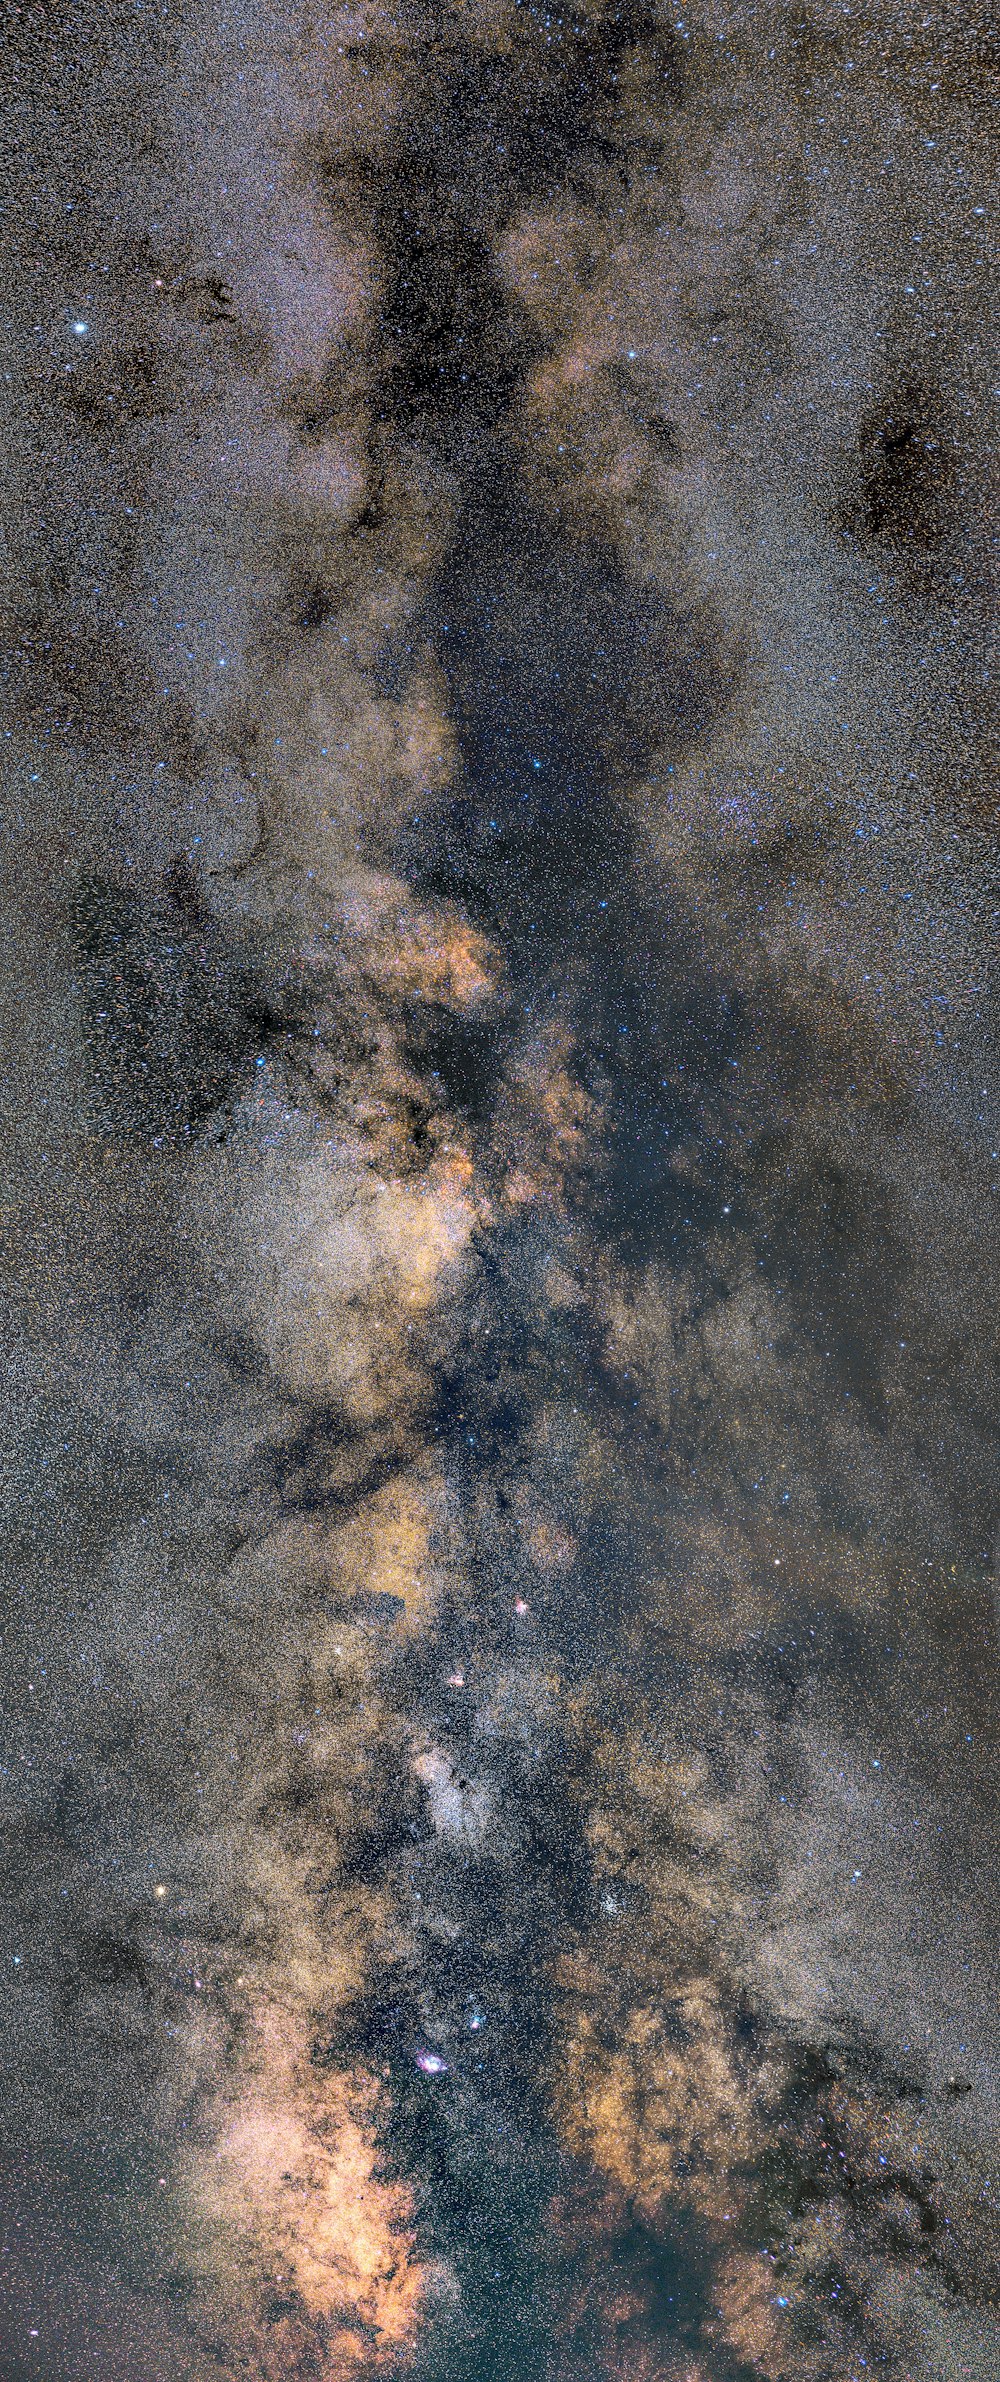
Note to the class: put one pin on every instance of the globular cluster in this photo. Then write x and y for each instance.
(500, 1128)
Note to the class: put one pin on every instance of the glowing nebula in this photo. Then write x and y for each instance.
(501, 1124)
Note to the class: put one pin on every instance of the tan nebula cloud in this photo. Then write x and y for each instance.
(406, 950)
(749, 2319)
(498, 1612)
(661, 2110)
(336, 1267)
(651, 2088)
(312, 2258)
(548, 1124)
(396, 1546)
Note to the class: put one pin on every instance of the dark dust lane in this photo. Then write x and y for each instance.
(500, 1490)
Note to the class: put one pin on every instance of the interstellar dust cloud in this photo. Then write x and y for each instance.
(500, 1158)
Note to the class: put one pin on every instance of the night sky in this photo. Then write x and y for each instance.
(501, 1113)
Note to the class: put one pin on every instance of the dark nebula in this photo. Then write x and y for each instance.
(500, 1484)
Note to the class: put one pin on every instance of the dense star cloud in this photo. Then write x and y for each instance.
(500, 1122)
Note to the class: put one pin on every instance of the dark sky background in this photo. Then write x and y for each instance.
(499, 1209)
